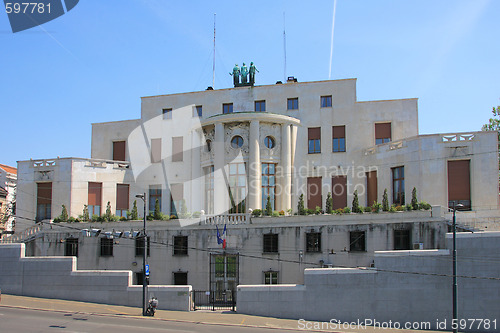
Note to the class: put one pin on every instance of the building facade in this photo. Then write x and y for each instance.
(228, 150)
(210, 158)
(8, 181)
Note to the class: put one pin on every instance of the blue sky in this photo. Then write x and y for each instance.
(95, 62)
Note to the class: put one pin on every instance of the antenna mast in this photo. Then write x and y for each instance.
(284, 48)
(213, 67)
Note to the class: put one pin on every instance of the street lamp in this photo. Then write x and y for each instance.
(144, 284)
(454, 322)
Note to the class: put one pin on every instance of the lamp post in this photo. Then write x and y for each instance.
(144, 284)
(455, 299)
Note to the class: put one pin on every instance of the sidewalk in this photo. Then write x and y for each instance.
(227, 318)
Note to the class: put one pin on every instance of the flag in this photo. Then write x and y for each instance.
(221, 240)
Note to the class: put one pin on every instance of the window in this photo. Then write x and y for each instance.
(167, 113)
(198, 111)
(313, 242)
(314, 192)
(122, 198)
(176, 197)
(236, 142)
(314, 137)
(154, 195)
(180, 245)
(271, 277)
(398, 186)
(106, 247)
(44, 201)
(371, 187)
(180, 278)
(139, 277)
(357, 241)
(71, 247)
(268, 184)
(118, 150)
(209, 189)
(338, 134)
(139, 246)
(292, 104)
(459, 184)
(177, 148)
(260, 106)
(326, 101)
(269, 142)
(382, 133)
(270, 243)
(95, 198)
(402, 240)
(227, 108)
(155, 150)
(237, 187)
(339, 192)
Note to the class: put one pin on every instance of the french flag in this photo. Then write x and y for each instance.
(221, 240)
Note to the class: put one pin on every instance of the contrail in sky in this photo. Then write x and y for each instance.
(331, 46)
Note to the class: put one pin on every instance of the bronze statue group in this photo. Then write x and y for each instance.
(245, 73)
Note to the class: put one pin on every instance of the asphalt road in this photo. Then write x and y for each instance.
(27, 320)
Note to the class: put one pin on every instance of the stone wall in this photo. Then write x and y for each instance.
(404, 287)
(57, 277)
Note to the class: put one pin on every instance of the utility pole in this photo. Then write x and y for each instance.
(454, 322)
(144, 282)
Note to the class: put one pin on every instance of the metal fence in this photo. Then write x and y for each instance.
(214, 300)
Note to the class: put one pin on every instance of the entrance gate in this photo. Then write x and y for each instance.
(224, 277)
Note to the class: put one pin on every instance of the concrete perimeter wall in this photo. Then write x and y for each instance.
(404, 286)
(57, 277)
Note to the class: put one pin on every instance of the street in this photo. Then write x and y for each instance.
(27, 320)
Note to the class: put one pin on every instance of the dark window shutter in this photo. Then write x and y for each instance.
(314, 133)
(371, 184)
(314, 192)
(177, 148)
(339, 191)
(383, 131)
(122, 196)
(44, 193)
(459, 180)
(338, 132)
(95, 192)
(119, 151)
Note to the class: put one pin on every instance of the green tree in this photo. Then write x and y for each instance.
(385, 201)
(414, 202)
(355, 203)
(85, 213)
(108, 216)
(64, 214)
(494, 125)
(269, 207)
(157, 212)
(300, 205)
(134, 214)
(329, 203)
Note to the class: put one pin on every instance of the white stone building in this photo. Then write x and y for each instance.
(223, 152)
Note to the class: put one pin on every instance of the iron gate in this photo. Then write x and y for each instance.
(214, 300)
(224, 277)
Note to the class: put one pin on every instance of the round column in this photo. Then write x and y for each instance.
(220, 190)
(254, 198)
(286, 161)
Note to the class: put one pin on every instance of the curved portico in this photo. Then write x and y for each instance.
(262, 138)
